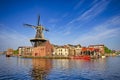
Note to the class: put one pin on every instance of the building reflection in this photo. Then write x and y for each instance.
(80, 65)
(99, 64)
(61, 63)
(41, 68)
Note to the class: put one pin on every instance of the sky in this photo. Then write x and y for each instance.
(84, 22)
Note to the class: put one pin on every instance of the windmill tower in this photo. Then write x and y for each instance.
(39, 37)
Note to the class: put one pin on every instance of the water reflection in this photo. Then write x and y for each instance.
(61, 63)
(78, 69)
(44, 69)
(14, 68)
(79, 64)
(23, 61)
(41, 68)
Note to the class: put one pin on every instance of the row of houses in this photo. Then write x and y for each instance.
(45, 49)
(77, 50)
(63, 51)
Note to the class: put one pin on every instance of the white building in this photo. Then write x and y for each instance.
(78, 50)
(25, 50)
(61, 51)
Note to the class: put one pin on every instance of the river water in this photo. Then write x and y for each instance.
(15, 68)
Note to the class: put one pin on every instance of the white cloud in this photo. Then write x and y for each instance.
(67, 33)
(53, 20)
(91, 13)
(9, 38)
(96, 36)
(97, 8)
(104, 31)
(110, 23)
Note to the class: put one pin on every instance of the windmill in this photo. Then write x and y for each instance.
(39, 37)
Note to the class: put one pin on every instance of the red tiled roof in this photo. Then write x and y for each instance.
(91, 49)
(84, 48)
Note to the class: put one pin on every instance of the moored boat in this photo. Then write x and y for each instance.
(7, 55)
(103, 56)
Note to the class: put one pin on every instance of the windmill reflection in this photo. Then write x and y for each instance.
(41, 67)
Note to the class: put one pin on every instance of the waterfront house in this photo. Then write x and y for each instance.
(71, 49)
(25, 50)
(99, 49)
(9, 52)
(61, 51)
(78, 50)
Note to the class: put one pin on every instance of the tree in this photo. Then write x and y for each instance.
(15, 52)
(107, 50)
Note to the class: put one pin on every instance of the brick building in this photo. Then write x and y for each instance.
(45, 49)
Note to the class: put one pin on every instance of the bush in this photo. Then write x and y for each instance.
(107, 50)
(15, 52)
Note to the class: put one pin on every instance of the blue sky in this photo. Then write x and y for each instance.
(82, 22)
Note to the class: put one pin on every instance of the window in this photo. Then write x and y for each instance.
(66, 53)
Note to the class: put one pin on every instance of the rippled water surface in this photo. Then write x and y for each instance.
(14, 68)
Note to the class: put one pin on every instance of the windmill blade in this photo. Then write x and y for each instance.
(30, 25)
(38, 20)
(46, 29)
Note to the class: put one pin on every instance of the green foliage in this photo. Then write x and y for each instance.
(117, 53)
(15, 52)
(107, 50)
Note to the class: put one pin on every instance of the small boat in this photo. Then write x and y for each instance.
(103, 56)
(7, 55)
